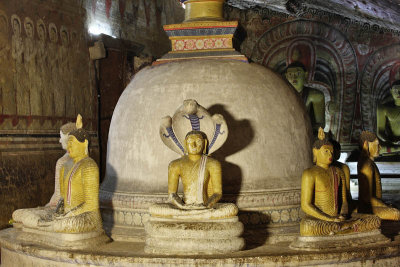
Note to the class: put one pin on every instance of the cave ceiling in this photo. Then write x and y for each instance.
(385, 13)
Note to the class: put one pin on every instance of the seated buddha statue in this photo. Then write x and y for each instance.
(388, 123)
(79, 190)
(324, 197)
(200, 174)
(314, 100)
(369, 180)
(30, 217)
(195, 223)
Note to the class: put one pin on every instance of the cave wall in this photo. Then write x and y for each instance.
(45, 81)
(353, 63)
(47, 78)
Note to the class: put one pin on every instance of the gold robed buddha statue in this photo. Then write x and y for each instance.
(369, 180)
(194, 223)
(31, 217)
(201, 176)
(324, 197)
(79, 189)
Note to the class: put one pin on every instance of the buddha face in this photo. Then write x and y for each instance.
(63, 140)
(29, 30)
(53, 35)
(395, 91)
(16, 27)
(324, 155)
(75, 148)
(195, 144)
(373, 148)
(41, 32)
(296, 77)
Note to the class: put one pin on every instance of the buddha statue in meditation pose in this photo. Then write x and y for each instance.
(195, 223)
(79, 190)
(324, 197)
(296, 74)
(201, 175)
(388, 122)
(369, 180)
(77, 210)
(30, 217)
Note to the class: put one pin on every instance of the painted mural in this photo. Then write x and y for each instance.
(350, 62)
(44, 77)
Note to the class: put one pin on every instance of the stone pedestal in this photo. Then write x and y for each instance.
(70, 241)
(176, 237)
(317, 243)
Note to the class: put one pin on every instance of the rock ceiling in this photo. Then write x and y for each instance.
(385, 13)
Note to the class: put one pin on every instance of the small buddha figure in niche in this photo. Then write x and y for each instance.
(201, 175)
(31, 217)
(296, 74)
(324, 197)
(369, 180)
(388, 122)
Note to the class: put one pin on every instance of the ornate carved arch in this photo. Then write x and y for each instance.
(331, 46)
(376, 81)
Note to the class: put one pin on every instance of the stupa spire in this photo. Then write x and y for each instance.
(203, 34)
(200, 10)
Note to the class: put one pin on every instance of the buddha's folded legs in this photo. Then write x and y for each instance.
(31, 217)
(219, 211)
(387, 213)
(360, 223)
(84, 222)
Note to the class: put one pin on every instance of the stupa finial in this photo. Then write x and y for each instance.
(204, 10)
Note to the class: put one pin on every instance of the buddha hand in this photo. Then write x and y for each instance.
(212, 200)
(175, 200)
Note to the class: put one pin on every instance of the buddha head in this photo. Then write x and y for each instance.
(296, 74)
(369, 144)
(78, 141)
(395, 91)
(53, 33)
(41, 31)
(64, 132)
(64, 36)
(322, 149)
(196, 143)
(28, 25)
(16, 25)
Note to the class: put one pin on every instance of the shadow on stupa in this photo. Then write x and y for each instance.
(240, 135)
(109, 186)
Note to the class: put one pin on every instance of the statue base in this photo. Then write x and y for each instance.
(15, 252)
(184, 237)
(318, 243)
(70, 241)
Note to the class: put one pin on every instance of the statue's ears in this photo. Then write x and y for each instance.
(314, 152)
(205, 147)
(306, 76)
(365, 145)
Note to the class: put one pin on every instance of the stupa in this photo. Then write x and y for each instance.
(264, 156)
